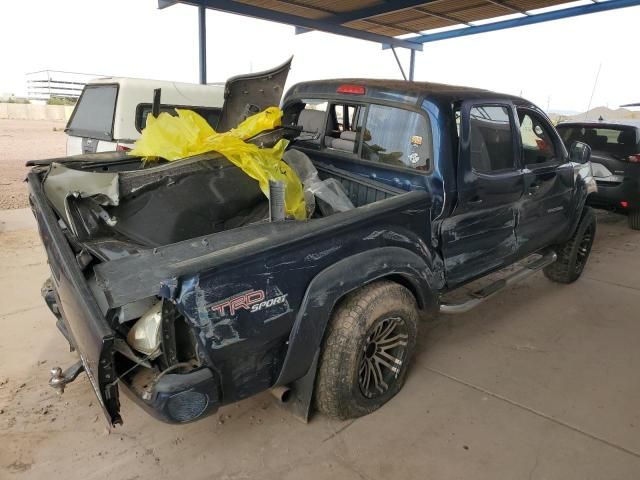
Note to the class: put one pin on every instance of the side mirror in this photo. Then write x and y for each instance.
(579, 152)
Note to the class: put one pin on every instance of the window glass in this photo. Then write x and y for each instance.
(93, 115)
(210, 114)
(491, 139)
(621, 141)
(537, 142)
(396, 137)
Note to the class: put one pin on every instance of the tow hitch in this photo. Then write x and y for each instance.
(59, 379)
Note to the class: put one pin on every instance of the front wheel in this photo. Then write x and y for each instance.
(367, 350)
(573, 254)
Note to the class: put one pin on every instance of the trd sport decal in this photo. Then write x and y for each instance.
(254, 301)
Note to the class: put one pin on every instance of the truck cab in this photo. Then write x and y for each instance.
(500, 180)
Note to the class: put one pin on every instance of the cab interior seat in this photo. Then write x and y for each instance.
(627, 142)
(312, 123)
(345, 143)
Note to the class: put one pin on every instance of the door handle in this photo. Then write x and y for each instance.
(475, 200)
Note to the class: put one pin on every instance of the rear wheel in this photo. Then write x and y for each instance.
(634, 219)
(573, 255)
(367, 350)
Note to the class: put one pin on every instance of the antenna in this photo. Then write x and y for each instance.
(593, 91)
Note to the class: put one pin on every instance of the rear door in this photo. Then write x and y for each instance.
(480, 235)
(548, 183)
(90, 128)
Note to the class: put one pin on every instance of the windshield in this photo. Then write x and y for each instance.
(619, 141)
(93, 115)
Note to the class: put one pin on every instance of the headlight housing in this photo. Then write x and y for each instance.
(146, 334)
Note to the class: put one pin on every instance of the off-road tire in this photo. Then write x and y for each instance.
(355, 320)
(573, 255)
(634, 219)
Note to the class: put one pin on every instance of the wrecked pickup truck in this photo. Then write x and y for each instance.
(180, 284)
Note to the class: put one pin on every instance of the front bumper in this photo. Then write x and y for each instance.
(179, 398)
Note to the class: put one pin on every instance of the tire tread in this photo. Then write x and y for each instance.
(333, 385)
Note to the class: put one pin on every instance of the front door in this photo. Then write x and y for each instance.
(480, 234)
(548, 183)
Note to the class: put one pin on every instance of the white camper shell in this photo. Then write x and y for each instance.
(112, 111)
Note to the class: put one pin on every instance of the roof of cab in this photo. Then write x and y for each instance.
(409, 91)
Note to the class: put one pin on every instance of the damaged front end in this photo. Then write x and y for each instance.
(144, 345)
(93, 209)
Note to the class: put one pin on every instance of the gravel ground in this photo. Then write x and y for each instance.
(22, 140)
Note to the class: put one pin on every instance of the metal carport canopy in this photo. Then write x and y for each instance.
(385, 21)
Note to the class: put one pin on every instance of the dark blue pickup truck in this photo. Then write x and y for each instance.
(176, 282)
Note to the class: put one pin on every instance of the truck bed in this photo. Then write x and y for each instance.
(140, 274)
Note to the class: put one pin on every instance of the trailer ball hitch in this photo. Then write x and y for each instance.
(59, 379)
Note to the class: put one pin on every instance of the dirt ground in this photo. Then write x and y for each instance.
(22, 140)
(540, 382)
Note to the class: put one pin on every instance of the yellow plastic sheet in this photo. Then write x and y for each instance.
(188, 134)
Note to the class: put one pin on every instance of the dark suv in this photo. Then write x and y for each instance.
(616, 163)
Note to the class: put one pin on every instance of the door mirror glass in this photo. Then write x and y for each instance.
(538, 131)
(579, 152)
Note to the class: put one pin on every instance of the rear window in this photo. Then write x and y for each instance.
(376, 133)
(93, 115)
(621, 141)
(397, 137)
(210, 114)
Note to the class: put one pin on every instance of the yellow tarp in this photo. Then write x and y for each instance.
(188, 134)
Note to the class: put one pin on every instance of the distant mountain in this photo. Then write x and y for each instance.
(595, 114)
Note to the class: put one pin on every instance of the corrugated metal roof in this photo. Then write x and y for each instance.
(416, 19)
(406, 23)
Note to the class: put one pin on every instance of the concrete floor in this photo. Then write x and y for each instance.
(541, 382)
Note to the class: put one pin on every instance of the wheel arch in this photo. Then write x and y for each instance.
(332, 284)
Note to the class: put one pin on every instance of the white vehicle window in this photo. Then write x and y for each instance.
(93, 115)
(210, 114)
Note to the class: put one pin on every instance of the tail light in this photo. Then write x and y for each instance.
(634, 158)
(351, 89)
(122, 148)
(624, 204)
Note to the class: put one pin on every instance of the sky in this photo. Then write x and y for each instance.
(553, 64)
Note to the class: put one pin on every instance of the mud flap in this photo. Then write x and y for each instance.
(301, 396)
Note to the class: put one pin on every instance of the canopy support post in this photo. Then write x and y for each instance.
(202, 43)
(393, 49)
(412, 65)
